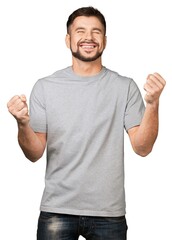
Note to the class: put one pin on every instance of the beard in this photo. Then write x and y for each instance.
(79, 55)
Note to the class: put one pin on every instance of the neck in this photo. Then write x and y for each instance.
(86, 68)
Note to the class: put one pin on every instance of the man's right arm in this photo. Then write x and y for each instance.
(32, 144)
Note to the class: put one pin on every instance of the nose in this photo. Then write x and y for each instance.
(88, 35)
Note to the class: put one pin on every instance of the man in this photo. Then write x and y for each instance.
(81, 112)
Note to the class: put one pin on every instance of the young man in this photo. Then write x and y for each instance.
(81, 112)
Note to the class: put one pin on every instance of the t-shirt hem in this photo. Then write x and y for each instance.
(84, 212)
(38, 129)
(133, 124)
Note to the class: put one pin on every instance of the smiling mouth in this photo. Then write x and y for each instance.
(88, 45)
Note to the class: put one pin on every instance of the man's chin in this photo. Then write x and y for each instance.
(86, 59)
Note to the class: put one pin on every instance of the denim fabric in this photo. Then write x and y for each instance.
(53, 226)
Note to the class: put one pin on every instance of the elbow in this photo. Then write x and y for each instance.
(32, 158)
(143, 152)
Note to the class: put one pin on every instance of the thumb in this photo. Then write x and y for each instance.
(23, 98)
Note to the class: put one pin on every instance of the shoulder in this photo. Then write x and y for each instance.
(119, 79)
(53, 78)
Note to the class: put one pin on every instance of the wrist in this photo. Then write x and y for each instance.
(22, 124)
(152, 105)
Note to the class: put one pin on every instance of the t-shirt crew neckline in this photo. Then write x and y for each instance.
(76, 77)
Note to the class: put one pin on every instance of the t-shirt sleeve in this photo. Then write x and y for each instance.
(135, 107)
(37, 109)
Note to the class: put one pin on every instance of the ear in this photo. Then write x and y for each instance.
(67, 40)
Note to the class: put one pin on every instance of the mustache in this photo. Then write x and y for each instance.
(88, 42)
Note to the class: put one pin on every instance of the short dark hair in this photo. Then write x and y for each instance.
(86, 11)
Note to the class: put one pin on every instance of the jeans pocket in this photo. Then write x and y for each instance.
(46, 215)
(116, 219)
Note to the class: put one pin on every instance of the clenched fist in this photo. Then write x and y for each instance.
(154, 87)
(18, 107)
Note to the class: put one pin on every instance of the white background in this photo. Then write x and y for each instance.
(32, 46)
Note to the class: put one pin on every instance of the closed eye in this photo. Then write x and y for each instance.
(97, 32)
(80, 30)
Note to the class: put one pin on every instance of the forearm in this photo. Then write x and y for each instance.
(144, 136)
(32, 144)
(29, 142)
(147, 132)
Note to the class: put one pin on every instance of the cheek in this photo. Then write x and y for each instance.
(103, 44)
(73, 46)
(74, 42)
(101, 41)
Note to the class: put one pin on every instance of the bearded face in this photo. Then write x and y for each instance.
(86, 39)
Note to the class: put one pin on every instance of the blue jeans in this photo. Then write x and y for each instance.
(53, 226)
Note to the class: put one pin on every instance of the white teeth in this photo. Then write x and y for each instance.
(90, 47)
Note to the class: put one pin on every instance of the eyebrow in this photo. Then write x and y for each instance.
(79, 28)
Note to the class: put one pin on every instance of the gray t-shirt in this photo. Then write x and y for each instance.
(85, 118)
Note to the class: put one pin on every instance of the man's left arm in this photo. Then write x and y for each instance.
(143, 137)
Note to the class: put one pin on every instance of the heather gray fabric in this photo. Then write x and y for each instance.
(84, 118)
